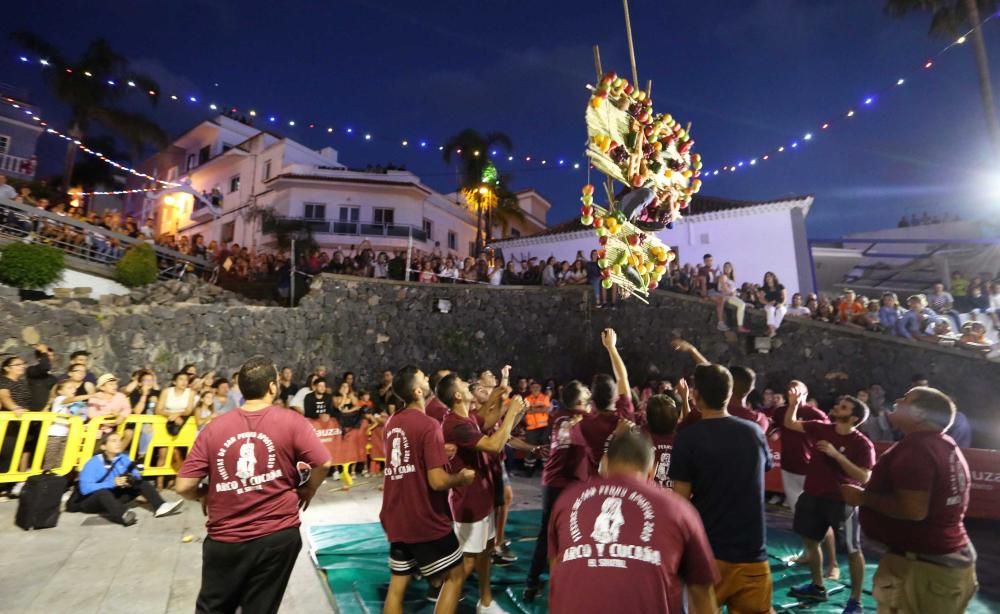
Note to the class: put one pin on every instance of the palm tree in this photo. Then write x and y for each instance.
(90, 99)
(507, 210)
(472, 149)
(947, 17)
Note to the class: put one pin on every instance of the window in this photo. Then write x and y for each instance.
(4, 143)
(452, 240)
(234, 184)
(350, 214)
(514, 233)
(383, 216)
(228, 232)
(267, 170)
(428, 229)
(315, 211)
(192, 161)
(204, 154)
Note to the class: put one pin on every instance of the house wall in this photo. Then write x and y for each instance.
(755, 242)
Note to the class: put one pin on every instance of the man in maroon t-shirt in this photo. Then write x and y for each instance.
(612, 398)
(566, 465)
(415, 513)
(251, 458)
(662, 414)
(843, 456)
(620, 544)
(472, 504)
(433, 405)
(915, 505)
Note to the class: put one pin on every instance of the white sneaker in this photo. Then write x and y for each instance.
(722, 326)
(493, 608)
(16, 490)
(336, 475)
(167, 508)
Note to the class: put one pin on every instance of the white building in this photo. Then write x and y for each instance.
(253, 169)
(756, 236)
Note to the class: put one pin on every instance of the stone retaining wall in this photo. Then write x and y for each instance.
(365, 326)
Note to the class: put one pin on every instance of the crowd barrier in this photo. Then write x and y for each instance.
(984, 468)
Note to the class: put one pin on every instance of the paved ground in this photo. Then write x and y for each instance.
(87, 564)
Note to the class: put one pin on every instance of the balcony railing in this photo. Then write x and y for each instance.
(354, 229)
(87, 242)
(19, 167)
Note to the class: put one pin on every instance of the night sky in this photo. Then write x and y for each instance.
(749, 74)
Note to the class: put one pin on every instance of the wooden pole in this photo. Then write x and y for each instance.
(609, 184)
(631, 47)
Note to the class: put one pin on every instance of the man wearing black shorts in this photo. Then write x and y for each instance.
(415, 513)
(845, 457)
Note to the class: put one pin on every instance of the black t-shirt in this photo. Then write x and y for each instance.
(18, 389)
(285, 392)
(724, 460)
(151, 399)
(314, 405)
(773, 296)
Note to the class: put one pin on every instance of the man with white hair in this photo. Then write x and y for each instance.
(915, 505)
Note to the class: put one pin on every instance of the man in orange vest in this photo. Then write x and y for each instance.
(536, 423)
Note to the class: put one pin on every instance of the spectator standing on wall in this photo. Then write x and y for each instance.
(727, 295)
(594, 278)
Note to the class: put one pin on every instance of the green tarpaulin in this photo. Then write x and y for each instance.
(355, 560)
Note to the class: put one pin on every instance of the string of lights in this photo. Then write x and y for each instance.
(529, 161)
(50, 130)
(864, 103)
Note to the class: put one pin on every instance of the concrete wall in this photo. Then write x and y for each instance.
(366, 326)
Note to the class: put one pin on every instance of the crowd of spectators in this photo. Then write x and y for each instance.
(926, 219)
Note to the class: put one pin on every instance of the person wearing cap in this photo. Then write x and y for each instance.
(108, 403)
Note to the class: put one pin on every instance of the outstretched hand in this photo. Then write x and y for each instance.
(797, 392)
(609, 338)
(681, 345)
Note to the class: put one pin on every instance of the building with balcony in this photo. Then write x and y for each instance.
(240, 182)
(18, 134)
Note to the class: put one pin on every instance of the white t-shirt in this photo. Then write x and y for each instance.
(60, 406)
(299, 397)
(801, 312)
(7, 192)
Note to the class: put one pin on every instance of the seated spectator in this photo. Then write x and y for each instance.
(913, 323)
(318, 404)
(943, 303)
(110, 481)
(176, 404)
(798, 308)
(297, 401)
(549, 277)
(577, 274)
(726, 294)
(495, 273)
(346, 408)
(889, 312)
(510, 276)
(974, 338)
(108, 403)
(449, 273)
(65, 404)
(772, 296)
(977, 302)
(940, 332)
(705, 280)
(849, 308)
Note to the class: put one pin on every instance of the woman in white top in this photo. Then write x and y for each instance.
(176, 404)
(496, 272)
(728, 295)
(448, 274)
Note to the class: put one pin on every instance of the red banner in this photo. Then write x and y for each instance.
(344, 447)
(984, 467)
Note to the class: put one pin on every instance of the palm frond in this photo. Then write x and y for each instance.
(136, 129)
(36, 44)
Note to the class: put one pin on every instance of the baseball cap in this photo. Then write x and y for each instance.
(104, 379)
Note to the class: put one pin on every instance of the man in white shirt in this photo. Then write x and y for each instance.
(6, 191)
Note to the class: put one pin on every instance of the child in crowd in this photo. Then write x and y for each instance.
(204, 412)
(65, 405)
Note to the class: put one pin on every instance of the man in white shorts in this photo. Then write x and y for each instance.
(472, 505)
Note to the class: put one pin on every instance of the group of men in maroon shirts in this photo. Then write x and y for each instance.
(668, 501)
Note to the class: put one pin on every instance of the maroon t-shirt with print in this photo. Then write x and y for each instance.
(597, 427)
(413, 512)
(824, 475)
(929, 462)
(796, 449)
(748, 413)
(250, 458)
(624, 545)
(436, 409)
(567, 451)
(663, 446)
(473, 502)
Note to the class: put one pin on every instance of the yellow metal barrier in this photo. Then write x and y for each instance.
(81, 443)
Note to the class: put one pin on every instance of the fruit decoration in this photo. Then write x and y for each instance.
(650, 153)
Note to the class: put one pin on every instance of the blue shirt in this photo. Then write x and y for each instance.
(724, 460)
(99, 473)
(961, 431)
(910, 322)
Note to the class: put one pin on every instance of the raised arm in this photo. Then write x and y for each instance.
(683, 346)
(494, 443)
(684, 392)
(796, 392)
(609, 338)
(492, 409)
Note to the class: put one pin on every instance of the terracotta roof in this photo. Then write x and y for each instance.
(699, 205)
